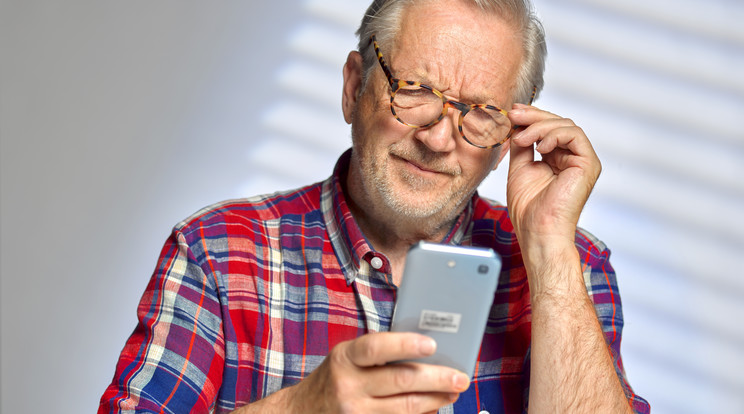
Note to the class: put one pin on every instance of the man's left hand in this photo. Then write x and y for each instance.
(545, 197)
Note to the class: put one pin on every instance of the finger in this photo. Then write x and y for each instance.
(526, 115)
(565, 148)
(413, 403)
(408, 377)
(560, 159)
(535, 123)
(552, 132)
(520, 154)
(383, 347)
(570, 137)
(538, 131)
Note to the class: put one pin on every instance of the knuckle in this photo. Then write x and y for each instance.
(445, 379)
(412, 403)
(404, 377)
(338, 355)
(368, 350)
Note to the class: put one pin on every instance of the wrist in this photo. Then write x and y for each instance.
(553, 268)
(540, 251)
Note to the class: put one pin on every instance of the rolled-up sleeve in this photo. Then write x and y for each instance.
(602, 285)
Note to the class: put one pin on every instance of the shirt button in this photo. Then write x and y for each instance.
(376, 262)
(484, 412)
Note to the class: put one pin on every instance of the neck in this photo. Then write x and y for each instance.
(393, 238)
(388, 231)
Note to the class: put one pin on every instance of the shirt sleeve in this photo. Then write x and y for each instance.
(602, 286)
(174, 359)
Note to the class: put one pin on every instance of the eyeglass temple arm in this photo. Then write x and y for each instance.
(385, 68)
(534, 92)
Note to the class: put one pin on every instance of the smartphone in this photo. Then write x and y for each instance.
(446, 293)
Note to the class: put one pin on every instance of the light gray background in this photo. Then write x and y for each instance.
(120, 118)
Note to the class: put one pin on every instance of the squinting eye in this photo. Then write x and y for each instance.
(414, 92)
(478, 114)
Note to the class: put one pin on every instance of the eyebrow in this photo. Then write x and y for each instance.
(420, 76)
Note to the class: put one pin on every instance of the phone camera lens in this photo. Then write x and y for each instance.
(483, 269)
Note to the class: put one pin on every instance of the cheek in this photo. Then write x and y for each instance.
(375, 124)
(480, 162)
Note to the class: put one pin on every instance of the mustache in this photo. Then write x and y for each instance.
(425, 158)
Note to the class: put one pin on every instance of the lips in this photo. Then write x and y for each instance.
(438, 168)
(422, 168)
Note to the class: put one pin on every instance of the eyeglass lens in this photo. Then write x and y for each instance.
(418, 107)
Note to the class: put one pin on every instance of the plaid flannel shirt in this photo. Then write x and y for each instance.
(249, 296)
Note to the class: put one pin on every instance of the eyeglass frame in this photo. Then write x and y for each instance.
(397, 83)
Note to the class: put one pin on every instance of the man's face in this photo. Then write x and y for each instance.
(430, 173)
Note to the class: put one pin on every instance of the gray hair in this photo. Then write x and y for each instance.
(383, 20)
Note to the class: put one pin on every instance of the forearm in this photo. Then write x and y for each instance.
(571, 366)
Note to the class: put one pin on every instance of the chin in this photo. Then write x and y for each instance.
(408, 198)
(427, 211)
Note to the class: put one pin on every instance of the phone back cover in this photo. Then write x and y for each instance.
(446, 293)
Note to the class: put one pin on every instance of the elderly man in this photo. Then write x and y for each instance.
(281, 303)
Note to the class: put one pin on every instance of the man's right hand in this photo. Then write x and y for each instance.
(356, 378)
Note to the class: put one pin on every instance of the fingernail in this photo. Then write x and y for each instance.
(517, 111)
(428, 346)
(460, 381)
(453, 397)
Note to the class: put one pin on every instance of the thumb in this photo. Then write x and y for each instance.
(519, 155)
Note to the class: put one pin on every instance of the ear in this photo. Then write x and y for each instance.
(352, 84)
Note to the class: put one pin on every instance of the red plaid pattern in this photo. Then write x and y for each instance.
(248, 296)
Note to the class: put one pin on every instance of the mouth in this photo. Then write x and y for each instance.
(424, 168)
(421, 167)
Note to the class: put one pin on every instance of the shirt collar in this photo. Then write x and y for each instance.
(350, 244)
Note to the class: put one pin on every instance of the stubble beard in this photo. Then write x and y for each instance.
(407, 197)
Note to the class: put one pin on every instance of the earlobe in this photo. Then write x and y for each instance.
(352, 87)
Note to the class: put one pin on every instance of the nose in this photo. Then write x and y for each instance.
(442, 136)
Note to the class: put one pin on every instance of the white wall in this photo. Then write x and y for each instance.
(118, 119)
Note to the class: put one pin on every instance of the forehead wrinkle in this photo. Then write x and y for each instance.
(451, 66)
(469, 58)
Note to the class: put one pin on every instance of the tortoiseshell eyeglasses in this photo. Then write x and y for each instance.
(421, 106)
